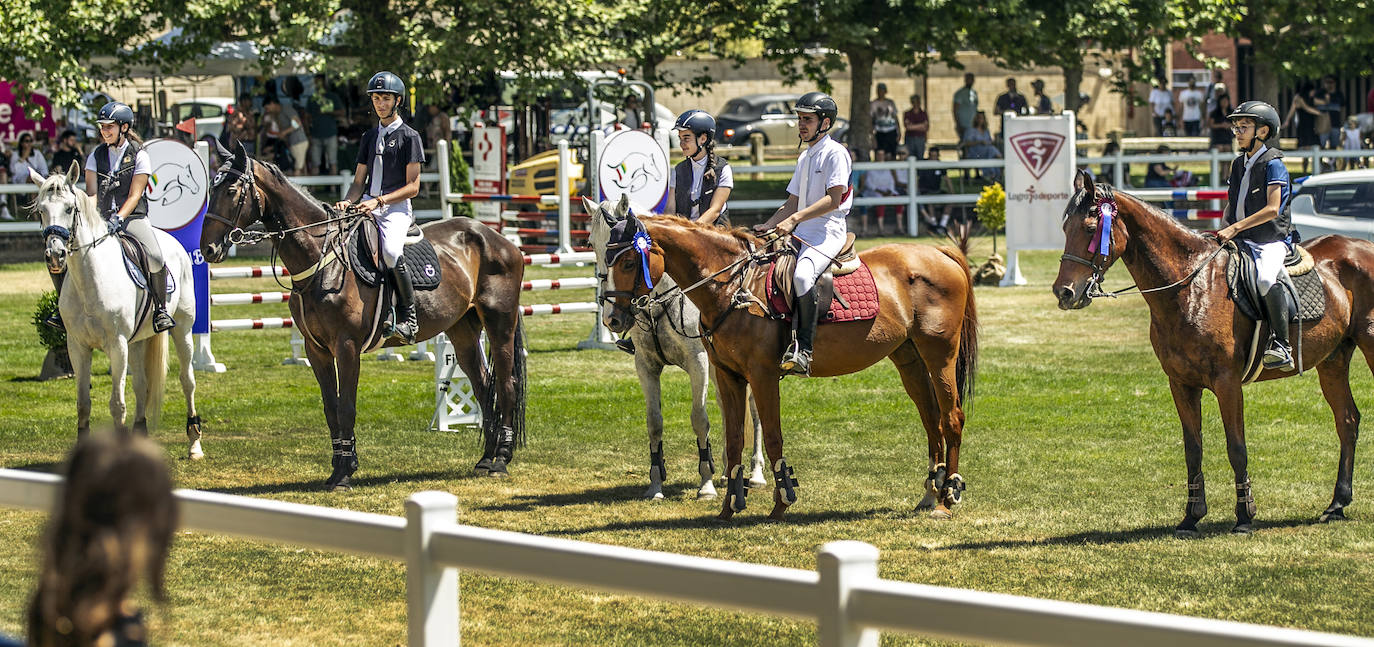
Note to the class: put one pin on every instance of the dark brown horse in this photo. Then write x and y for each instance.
(927, 326)
(335, 313)
(1203, 341)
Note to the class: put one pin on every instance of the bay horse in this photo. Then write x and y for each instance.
(1203, 341)
(479, 292)
(927, 325)
(103, 308)
(666, 333)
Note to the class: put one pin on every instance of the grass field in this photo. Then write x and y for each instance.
(1072, 454)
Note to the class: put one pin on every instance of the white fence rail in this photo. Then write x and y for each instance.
(844, 595)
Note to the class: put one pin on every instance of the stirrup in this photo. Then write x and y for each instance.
(1277, 357)
(162, 322)
(796, 362)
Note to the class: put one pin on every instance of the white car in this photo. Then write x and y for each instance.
(1335, 203)
(208, 111)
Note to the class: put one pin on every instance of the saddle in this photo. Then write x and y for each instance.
(847, 290)
(1300, 279)
(136, 263)
(364, 257)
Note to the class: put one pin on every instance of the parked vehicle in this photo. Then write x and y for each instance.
(208, 112)
(1335, 203)
(770, 114)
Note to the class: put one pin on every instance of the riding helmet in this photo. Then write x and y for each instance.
(697, 121)
(115, 112)
(388, 83)
(1263, 114)
(819, 103)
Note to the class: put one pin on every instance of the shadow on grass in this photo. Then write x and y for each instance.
(747, 519)
(317, 485)
(1144, 533)
(616, 494)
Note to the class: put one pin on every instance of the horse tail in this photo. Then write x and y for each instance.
(966, 364)
(518, 374)
(155, 370)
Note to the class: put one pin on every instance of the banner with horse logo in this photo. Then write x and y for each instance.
(178, 193)
(632, 163)
(1040, 163)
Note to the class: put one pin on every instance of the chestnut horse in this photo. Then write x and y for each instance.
(1203, 341)
(480, 292)
(927, 326)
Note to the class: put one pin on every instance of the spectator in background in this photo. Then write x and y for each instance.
(917, 124)
(1332, 102)
(1159, 174)
(111, 529)
(1351, 140)
(5, 201)
(965, 107)
(1220, 124)
(324, 109)
(883, 112)
(879, 183)
(284, 128)
(241, 125)
(934, 181)
(1303, 116)
(1192, 101)
(632, 118)
(1161, 101)
(1168, 126)
(977, 144)
(1108, 173)
(1010, 101)
(26, 156)
(1039, 103)
(1217, 90)
(439, 128)
(69, 152)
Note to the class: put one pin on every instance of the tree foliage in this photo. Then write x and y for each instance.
(651, 31)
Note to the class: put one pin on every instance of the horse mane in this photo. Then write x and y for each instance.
(292, 187)
(739, 234)
(1156, 212)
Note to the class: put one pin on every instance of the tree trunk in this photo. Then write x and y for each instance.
(1073, 79)
(1266, 86)
(861, 85)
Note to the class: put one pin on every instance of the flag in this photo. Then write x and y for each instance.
(188, 126)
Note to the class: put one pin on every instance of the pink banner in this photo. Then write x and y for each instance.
(14, 122)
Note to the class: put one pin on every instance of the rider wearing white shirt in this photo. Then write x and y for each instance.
(818, 201)
(389, 159)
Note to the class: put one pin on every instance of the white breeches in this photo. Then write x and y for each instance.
(1268, 262)
(393, 221)
(812, 261)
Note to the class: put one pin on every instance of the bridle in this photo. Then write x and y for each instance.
(248, 196)
(66, 235)
(1099, 248)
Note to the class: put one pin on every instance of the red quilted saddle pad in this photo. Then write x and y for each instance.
(858, 291)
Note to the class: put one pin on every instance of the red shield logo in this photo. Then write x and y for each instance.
(1037, 150)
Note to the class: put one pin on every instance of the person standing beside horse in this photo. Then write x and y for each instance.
(117, 174)
(1255, 214)
(818, 201)
(387, 177)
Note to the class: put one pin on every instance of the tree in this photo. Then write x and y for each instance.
(650, 31)
(823, 36)
(1309, 39)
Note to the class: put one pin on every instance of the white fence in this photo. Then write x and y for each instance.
(844, 595)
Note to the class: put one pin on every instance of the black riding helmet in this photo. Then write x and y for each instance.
(1263, 114)
(388, 83)
(115, 112)
(697, 121)
(822, 105)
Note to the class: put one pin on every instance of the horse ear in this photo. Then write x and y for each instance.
(240, 158)
(592, 208)
(35, 176)
(1083, 181)
(622, 208)
(74, 172)
(221, 151)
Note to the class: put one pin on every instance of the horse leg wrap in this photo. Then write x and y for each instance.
(1197, 498)
(656, 462)
(704, 456)
(935, 479)
(345, 463)
(953, 490)
(505, 444)
(483, 466)
(1245, 502)
(193, 427)
(735, 490)
(786, 480)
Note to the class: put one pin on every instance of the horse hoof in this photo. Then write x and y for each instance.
(1246, 529)
(652, 495)
(498, 470)
(196, 456)
(1334, 515)
(707, 496)
(941, 512)
(725, 515)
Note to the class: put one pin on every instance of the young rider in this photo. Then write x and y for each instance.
(818, 201)
(701, 184)
(387, 177)
(117, 174)
(1255, 214)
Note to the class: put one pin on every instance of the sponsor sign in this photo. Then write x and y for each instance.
(1040, 163)
(488, 169)
(178, 193)
(632, 163)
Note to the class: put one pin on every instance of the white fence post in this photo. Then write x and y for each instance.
(564, 187)
(441, 159)
(842, 565)
(431, 591)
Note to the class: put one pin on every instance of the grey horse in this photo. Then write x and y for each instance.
(668, 333)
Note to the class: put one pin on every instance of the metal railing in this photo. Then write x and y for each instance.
(844, 595)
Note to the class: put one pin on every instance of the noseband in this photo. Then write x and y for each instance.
(237, 235)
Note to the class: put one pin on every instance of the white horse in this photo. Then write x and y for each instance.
(101, 308)
(668, 334)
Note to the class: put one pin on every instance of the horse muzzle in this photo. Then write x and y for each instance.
(1071, 298)
(618, 319)
(215, 252)
(56, 258)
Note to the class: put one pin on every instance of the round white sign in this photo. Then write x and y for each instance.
(632, 163)
(178, 188)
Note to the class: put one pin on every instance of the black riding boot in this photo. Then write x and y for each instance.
(54, 320)
(406, 326)
(157, 291)
(797, 359)
(1278, 309)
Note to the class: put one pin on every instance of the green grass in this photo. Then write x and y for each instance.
(1072, 454)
